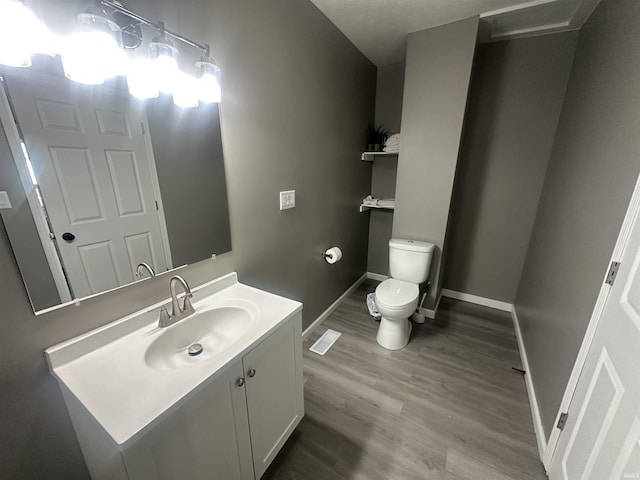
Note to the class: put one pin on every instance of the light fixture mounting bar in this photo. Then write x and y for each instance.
(146, 21)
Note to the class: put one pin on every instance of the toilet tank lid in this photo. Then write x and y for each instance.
(412, 245)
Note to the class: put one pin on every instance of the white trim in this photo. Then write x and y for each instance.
(621, 243)
(324, 315)
(533, 401)
(549, 28)
(487, 302)
(155, 182)
(377, 276)
(515, 8)
(51, 254)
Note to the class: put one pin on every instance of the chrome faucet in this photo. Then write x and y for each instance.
(144, 266)
(177, 312)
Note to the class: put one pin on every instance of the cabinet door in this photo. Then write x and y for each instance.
(273, 372)
(206, 438)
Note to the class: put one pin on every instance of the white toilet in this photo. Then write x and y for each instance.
(397, 297)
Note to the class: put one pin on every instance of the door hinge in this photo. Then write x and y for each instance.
(613, 271)
(562, 421)
(157, 207)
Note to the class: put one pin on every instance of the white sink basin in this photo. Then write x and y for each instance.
(129, 374)
(215, 329)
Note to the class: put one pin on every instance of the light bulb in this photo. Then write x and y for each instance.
(208, 84)
(185, 92)
(142, 80)
(21, 35)
(165, 58)
(166, 71)
(93, 53)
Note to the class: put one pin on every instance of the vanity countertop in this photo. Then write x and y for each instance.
(106, 370)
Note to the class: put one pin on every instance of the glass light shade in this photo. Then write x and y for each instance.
(142, 80)
(208, 84)
(165, 64)
(185, 92)
(93, 53)
(21, 35)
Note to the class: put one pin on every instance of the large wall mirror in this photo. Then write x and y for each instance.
(94, 182)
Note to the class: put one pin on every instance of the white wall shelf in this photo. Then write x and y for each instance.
(371, 156)
(364, 208)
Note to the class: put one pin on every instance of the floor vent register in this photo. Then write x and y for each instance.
(325, 342)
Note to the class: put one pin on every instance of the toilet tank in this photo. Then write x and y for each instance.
(409, 260)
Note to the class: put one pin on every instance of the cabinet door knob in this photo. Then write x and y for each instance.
(252, 372)
(240, 382)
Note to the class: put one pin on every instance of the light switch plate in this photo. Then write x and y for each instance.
(4, 200)
(287, 199)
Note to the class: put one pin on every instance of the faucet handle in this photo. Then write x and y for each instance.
(186, 306)
(164, 317)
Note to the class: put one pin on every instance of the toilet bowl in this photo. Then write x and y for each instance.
(397, 297)
(396, 301)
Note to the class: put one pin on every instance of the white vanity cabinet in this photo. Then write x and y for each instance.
(274, 391)
(231, 428)
(206, 438)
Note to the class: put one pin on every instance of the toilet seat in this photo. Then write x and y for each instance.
(395, 294)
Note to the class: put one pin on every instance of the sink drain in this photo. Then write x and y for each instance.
(195, 349)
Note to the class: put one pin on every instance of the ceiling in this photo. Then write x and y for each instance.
(379, 28)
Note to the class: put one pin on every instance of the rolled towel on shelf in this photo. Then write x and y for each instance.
(392, 145)
(369, 200)
(393, 139)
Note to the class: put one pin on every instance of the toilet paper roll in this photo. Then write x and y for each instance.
(333, 255)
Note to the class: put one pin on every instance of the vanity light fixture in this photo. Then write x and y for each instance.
(22, 34)
(96, 52)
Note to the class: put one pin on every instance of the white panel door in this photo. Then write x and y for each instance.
(601, 439)
(93, 167)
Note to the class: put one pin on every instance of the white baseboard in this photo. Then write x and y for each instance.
(318, 321)
(377, 276)
(533, 401)
(487, 302)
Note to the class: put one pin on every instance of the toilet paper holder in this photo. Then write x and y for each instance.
(332, 255)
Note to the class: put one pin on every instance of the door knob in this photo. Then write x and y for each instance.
(251, 372)
(240, 382)
(68, 237)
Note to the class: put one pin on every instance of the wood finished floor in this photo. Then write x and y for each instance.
(446, 407)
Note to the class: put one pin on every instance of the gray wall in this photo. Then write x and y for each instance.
(517, 89)
(438, 71)
(590, 178)
(193, 189)
(389, 90)
(23, 233)
(296, 102)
